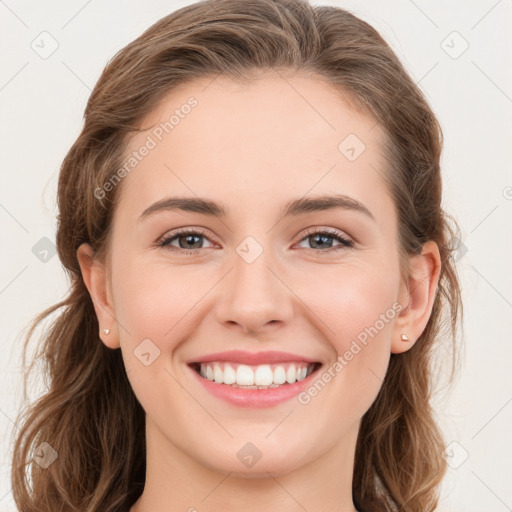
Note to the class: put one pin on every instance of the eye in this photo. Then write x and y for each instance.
(322, 239)
(190, 240)
(186, 238)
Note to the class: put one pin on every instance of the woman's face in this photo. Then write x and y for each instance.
(255, 279)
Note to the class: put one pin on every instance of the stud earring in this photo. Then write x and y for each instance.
(404, 337)
(106, 331)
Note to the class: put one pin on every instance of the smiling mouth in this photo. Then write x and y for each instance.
(262, 376)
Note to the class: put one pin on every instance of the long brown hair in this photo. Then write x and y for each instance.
(98, 435)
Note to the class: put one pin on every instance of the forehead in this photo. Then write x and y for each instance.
(279, 132)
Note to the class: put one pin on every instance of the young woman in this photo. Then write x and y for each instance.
(260, 274)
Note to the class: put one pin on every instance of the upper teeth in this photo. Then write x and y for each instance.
(262, 375)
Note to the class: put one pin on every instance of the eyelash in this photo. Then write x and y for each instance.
(345, 242)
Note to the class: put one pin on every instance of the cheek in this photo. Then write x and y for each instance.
(155, 308)
(350, 301)
(155, 302)
(141, 303)
(358, 309)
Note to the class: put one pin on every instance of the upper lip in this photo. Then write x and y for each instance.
(253, 358)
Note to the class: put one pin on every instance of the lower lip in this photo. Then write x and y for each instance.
(255, 398)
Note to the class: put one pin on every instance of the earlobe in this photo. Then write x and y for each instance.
(96, 280)
(421, 290)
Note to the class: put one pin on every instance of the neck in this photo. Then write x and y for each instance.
(175, 481)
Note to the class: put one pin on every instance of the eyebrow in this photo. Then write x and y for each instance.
(294, 207)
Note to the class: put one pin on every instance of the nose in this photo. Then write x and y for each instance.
(255, 297)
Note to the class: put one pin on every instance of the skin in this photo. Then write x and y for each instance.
(254, 147)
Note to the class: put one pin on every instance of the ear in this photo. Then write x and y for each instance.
(418, 294)
(96, 280)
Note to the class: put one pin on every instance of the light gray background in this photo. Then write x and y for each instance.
(42, 102)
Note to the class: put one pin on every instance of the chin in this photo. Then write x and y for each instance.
(277, 464)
